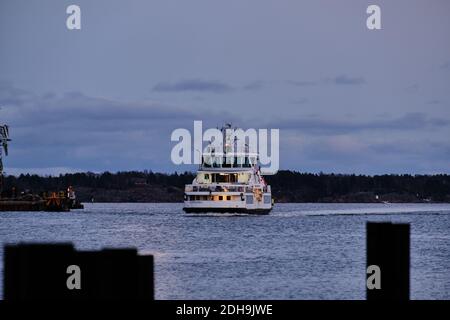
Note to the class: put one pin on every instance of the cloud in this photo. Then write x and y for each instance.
(198, 85)
(301, 83)
(53, 171)
(380, 153)
(410, 121)
(72, 132)
(412, 88)
(338, 80)
(253, 86)
(300, 101)
(446, 65)
(347, 80)
(12, 95)
(76, 132)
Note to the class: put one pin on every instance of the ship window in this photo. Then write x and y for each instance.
(206, 176)
(228, 197)
(217, 162)
(207, 161)
(267, 199)
(224, 178)
(246, 163)
(227, 161)
(220, 197)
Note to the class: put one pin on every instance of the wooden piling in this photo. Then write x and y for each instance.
(40, 271)
(388, 247)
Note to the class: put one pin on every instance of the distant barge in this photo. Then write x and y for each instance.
(41, 205)
(20, 205)
(56, 202)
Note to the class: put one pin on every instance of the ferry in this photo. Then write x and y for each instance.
(228, 182)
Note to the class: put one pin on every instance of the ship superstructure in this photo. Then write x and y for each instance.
(228, 181)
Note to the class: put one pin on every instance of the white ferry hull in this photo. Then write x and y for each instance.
(255, 207)
(226, 210)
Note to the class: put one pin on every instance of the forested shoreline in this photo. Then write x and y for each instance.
(287, 186)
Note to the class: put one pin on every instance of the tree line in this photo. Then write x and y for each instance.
(287, 186)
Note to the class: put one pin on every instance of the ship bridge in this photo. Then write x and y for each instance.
(214, 160)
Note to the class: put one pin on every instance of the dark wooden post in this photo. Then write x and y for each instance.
(39, 271)
(388, 247)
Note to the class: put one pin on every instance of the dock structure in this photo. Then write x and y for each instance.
(20, 205)
(48, 201)
(388, 248)
(58, 271)
(52, 201)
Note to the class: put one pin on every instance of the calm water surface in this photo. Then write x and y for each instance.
(299, 251)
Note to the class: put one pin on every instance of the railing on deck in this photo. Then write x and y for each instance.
(223, 188)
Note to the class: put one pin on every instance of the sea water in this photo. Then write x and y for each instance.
(299, 251)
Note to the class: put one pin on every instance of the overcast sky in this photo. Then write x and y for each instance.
(107, 97)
